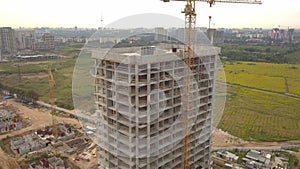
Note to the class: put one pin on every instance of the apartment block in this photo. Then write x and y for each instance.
(161, 34)
(46, 42)
(7, 40)
(25, 39)
(142, 94)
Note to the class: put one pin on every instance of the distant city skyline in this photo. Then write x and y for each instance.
(87, 14)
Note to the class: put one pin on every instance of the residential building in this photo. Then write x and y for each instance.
(9, 121)
(161, 34)
(46, 42)
(141, 95)
(25, 39)
(7, 40)
(50, 163)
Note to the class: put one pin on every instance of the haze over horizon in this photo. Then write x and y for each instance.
(87, 14)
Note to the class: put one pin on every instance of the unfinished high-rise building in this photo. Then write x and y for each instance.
(7, 40)
(140, 92)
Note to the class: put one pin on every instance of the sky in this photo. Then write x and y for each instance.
(88, 13)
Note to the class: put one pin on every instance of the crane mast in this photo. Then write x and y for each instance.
(190, 36)
(190, 25)
(52, 84)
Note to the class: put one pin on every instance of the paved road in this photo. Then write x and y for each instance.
(72, 112)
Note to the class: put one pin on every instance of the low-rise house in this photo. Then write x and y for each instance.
(27, 143)
(228, 156)
(9, 121)
(50, 163)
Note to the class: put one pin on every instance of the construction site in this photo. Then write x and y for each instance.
(141, 103)
(30, 140)
(156, 102)
(40, 135)
(155, 111)
(9, 120)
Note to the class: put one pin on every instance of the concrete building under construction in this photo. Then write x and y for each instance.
(140, 92)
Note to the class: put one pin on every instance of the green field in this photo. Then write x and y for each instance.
(257, 107)
(284, 53)
(34, 76)
(261, 116)
(265, 76)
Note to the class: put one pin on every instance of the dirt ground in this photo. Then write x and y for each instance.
(35, 75)
(38, 119)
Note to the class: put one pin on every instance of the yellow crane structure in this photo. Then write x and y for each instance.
(52, 84)
(190, 25)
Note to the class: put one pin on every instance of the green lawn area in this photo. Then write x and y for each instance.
(261, 116)
(258, 115)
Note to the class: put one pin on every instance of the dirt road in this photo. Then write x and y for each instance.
(223, 140)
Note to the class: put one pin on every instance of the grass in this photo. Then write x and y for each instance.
(62, 70)
(3, 143)
(2, 146)
(249, 114)
(70, 51)
(256, 115)
(260, 116)
(294, 86)
(217, 167)
(265, 76)
(294, 149)
(293, 161)
(285, 53)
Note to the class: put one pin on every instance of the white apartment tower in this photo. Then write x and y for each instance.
(140, 94)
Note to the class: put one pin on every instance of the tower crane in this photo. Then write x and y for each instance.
(190, 25)
(52, 84)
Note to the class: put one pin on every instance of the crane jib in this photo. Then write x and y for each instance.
(224, 1)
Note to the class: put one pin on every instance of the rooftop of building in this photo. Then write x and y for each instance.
(151, 54)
